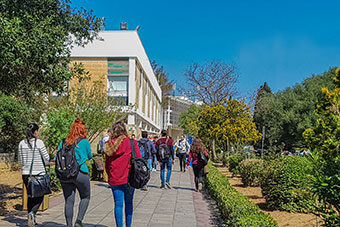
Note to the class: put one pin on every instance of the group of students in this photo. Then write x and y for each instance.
(117, 151)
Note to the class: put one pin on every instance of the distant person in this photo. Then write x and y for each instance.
(165, 156)
(32, 155)
(183, 148)
(118, 156)
(133, 136)
(101, 143)
(154, 155)
(147, 150)
(107, 135)
(197, 163)
(77, 137)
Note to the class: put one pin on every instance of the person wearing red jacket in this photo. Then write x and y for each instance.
(197, 163)
(117, 165)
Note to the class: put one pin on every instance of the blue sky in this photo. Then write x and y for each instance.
(281, 42)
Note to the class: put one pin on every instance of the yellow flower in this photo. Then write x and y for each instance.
(337, 72)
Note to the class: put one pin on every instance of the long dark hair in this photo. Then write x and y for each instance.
(30, 130)
(197, 146)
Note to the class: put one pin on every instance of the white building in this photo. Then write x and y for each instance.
(121, 63)
(176, 106)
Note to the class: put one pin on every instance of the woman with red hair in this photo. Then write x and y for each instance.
(77, 137)
(197, 149)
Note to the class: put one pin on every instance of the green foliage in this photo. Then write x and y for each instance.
(88, 103)
(36, 37)
(233, 162)
(59, 122)
(324, 139)
(55, 182)
(286, 184)
(163, 80)
(251, 171)
(188, 121)
(235, 208)
(14, 117)
(288, 113)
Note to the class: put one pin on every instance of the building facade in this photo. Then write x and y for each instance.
(119, 61)
(176, 106)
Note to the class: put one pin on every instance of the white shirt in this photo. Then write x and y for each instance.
(25, 156)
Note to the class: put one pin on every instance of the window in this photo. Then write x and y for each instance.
(117, 89)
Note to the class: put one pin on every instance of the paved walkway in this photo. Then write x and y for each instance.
(180, 206)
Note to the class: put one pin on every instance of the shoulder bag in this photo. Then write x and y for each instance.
(38, 185)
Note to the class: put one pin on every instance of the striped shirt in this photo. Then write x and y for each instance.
(25, 156)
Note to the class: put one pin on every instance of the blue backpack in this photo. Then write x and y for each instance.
(143, 147)
(100, 147)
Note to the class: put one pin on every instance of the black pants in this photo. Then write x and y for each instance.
(198, 173)
(33, 204)
(82, 184)
(182, 157)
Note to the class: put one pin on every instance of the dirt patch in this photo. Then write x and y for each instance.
(10, 191)
(283, 218)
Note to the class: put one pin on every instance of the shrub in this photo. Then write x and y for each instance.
(236, 209)
(14, 117)
(251, 171)
(286, 184)
(233, 162)
(55, 182)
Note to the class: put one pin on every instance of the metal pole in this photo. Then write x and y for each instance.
(263, 134)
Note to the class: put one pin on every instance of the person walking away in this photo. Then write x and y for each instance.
(165, 156)
(147, 150)
(154, 155)
(183, 148)
(82, 149)
(32, 155)
(197, 149)
(118, 156)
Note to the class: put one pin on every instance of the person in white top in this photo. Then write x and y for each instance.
(33, 150)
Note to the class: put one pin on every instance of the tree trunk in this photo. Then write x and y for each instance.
(213, 150)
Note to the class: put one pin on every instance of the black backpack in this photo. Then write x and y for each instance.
(139, 174)
(164, 151)
(66, 165)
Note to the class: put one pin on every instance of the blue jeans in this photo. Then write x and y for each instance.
(168, 165)
(123, 193)
(149, 163)
(154, 161)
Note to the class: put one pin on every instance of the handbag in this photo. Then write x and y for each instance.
(204, 158)
(38, 185)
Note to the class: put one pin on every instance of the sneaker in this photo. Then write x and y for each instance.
(145, 188)
(168, 185)
(200, 187)
(78, 224)
(154, 170)
(30, 220)
(162, 186)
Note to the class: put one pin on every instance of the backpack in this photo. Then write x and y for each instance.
(100, 147)
(164, 151)
(66, 165)
(144, 150)
(139, 174)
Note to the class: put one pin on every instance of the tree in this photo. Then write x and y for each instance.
(188, 121)
(324, 139)
(14, 117)
(228, 124)
(211, 82)
(90, 104)
(163, 80)
(288, 113)
(36, 37)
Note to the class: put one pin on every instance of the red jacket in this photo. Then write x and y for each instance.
(196, 160)
(118, 164)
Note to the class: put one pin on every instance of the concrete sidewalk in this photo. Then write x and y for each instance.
(180, 206)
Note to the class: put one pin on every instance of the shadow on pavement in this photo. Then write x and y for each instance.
(19, 219)
(54, 224)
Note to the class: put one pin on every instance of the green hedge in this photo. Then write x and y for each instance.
(236, 209)
(233, 162)
(286, 184)
(251, 171)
